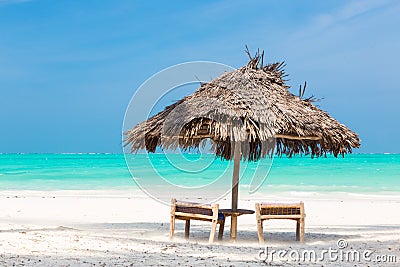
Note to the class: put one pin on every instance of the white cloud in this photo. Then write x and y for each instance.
(325, 27)
(349, 11)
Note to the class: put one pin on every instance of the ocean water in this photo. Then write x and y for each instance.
(376, 173)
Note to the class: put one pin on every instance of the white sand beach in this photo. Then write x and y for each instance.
(128, 228)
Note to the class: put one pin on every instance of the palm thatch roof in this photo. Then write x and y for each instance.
(252, 106)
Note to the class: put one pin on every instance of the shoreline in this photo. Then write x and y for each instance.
(137, 192)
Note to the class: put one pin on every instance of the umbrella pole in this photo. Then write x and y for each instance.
(235, 187)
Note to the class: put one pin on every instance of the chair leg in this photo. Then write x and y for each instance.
(259, 223)
(260, 231)
(298, 230)
(187, 229)
(302, 229)
(221, 230)
(172, 227)
(213, 230)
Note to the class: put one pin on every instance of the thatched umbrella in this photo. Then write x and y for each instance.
(247, 114)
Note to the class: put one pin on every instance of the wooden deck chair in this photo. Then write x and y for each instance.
(187, 211)
(269, 211)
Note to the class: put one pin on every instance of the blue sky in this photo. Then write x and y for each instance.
(69, 68)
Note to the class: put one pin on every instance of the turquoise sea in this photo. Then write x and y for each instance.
(354, 173)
